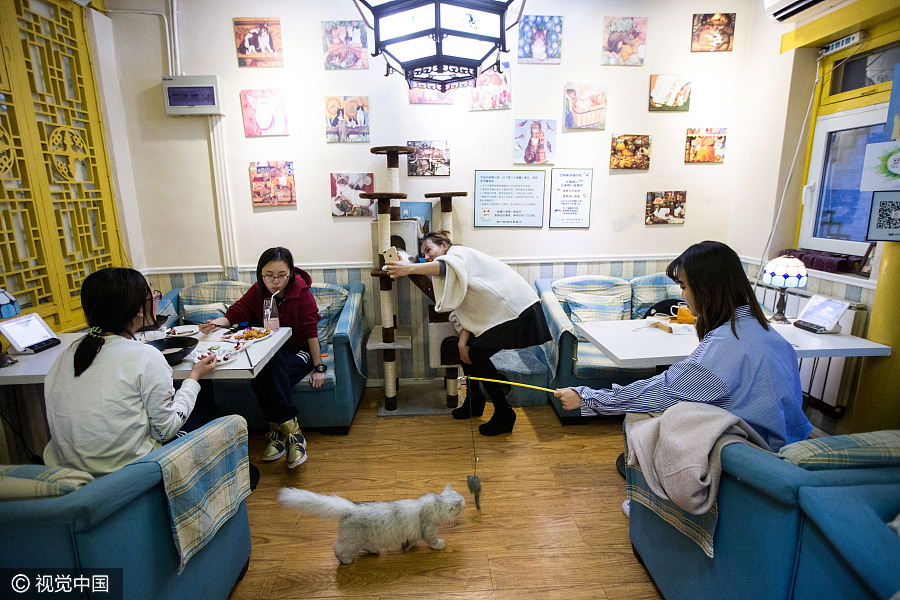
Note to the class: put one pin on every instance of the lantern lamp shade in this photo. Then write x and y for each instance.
(785, 272)
(439, 44)
(9, 306)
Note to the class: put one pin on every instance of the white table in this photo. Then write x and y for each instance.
(635, 344)
(24, 395)
(33, 368)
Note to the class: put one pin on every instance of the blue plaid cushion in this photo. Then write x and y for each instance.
(587, 308)
(647, 290)
(855, 450)
(590, 284)
(168, 309)
(200, 313)
(225, 291)
(330, 298)
(19, 482)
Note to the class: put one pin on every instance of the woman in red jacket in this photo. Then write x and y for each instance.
(276, 277)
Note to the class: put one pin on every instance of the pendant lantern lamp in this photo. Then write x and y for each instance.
(440, 44)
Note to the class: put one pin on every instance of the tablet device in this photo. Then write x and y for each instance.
(821, 315)
(28, 334)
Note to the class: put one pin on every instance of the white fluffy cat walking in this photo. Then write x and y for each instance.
(370, 526)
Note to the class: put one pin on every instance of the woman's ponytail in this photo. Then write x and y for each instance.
(88, 347)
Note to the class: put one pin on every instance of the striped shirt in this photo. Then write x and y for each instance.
(754, 376)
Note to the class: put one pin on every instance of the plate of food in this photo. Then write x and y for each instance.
(225, 353)
(182, 330)
(248, 336)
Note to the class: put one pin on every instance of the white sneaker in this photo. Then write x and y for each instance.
(626, 508)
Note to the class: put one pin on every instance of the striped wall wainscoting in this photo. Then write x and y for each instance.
(412, 305)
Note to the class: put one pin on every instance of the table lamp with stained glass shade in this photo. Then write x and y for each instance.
(784, 272)
(9, 308)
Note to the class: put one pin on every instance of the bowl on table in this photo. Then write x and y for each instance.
(174, 349)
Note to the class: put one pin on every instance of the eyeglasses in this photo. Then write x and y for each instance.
(156, 295)
(271, 277)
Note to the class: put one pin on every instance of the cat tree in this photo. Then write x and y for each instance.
(389, 231)
(443, 351)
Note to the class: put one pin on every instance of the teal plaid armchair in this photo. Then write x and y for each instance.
(574, 361)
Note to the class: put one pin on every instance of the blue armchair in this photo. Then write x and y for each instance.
(121, 521)
(760, 531)
(846, 547)
(574, 361)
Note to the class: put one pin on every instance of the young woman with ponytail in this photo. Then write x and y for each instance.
(110, 399)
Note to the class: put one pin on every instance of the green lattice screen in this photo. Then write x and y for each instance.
(58, 214)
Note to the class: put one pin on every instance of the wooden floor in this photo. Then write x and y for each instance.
(551, 524)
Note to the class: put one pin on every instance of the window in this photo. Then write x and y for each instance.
(835, 212)
(871, 68)
(852, 109)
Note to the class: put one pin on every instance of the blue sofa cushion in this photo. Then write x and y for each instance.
(330, 298)
(21, 482)
(226, 291)
(855, 450)
(593, 285)
(199, 313)
(647, 290)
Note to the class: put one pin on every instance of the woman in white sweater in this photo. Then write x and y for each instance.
(110, 399)
(492, 308)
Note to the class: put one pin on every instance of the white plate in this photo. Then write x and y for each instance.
(182, 330)
(225, 352)
(238, 336)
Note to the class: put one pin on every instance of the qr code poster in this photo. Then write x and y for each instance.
(881, 167)
(884, 219)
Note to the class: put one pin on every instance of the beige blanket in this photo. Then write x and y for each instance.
(680, 451)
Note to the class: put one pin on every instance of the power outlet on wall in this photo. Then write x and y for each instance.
(851, 40)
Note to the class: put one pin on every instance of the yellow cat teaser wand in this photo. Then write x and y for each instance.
(474, 481)
(504, 382)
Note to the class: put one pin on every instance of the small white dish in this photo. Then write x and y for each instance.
(183, 330)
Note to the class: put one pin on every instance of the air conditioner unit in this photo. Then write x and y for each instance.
(795, 10)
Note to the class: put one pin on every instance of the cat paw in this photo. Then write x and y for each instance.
(438, 545)
(345, 560)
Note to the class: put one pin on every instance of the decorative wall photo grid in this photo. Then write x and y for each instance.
(705, 145)
(713, 32)
(630, 152)
(665, 208)
(624, 40)
(540, 39)
(272, 183)
(585, 105)
(534, 141)
(431, 158)
(345, 45)
(345, 190)
(347, 119)
(258, 43)
(264, 113)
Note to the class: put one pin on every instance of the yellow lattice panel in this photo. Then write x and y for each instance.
(59, 220)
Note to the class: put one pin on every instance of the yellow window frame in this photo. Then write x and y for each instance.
(879, 37)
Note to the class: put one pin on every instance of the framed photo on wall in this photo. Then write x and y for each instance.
(570, 197)
(509, 198)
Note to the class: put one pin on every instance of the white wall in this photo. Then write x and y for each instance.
(745, 90)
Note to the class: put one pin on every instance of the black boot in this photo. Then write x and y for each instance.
(501, 421)
(473, 406)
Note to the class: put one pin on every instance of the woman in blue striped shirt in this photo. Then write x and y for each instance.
(741, 364)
